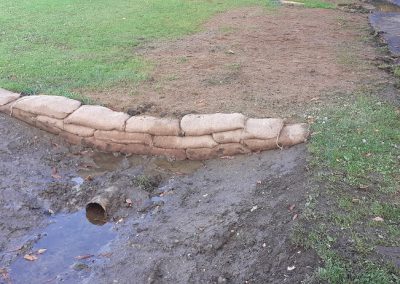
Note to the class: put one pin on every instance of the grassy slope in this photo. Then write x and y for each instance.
(356, 155)
(57, 46)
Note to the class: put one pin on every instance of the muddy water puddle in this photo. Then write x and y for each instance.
(71, 245)
(105, 162)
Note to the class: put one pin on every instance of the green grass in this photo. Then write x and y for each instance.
(55, 47)
(316, 4)
(356, 160)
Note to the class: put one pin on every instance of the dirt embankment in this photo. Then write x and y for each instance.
(261, 63)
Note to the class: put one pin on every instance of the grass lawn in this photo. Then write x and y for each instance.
(356, 159)
(56, 47)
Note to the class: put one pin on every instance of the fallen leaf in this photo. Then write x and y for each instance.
(230, 51)
(378, 219)
(41, 251)
(291, 207)
(89, 178)
(295, 216)
(367, 154)
(30, 257)
(85, 256)
(54, 173)
(253, 208)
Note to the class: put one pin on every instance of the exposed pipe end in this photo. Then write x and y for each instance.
(96, 213)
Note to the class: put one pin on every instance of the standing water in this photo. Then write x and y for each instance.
(70, 243)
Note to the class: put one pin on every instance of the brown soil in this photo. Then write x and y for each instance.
(258, 62)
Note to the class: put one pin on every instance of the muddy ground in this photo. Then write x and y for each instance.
(258, 62)
(221, 221)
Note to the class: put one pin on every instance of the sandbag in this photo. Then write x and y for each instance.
(71, 138)
(234, 136)
(123, 137)
(49, 124)
(7, 97)
(201, 124)
(53, 106)
(98, 117)
(102, 145)
(264, 128)
(175, 142)
(260, 144)
(153, 125)
(221, 150)
(6, 108)
(54, 122)
(28, 117)
(79, 130)
(294, 134)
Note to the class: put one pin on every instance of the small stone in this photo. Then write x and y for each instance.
(221, 279)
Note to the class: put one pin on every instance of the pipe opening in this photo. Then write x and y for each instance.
(96, 214)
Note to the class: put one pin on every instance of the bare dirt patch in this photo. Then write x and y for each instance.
(258, 62)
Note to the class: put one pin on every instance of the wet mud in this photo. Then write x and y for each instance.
(221, 221)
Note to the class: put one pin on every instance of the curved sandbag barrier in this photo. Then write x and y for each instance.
(194, 137)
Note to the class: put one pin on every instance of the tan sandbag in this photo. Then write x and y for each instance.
(231, 149)
(201, 154)
(28, 117)
(7, 97)
(71, 138)
(221, 150)
(98, 117)
(53, 106)
(260, 144)
(54, 122)
(294, 134)
(176, 154)
(175, 142)
(123, 137)
(6, 108)
(102, 145)
(263, 128)
(153, 125)
(47, 127)
(79, 130)
(49, 124)
(200, 124)
(234, 136)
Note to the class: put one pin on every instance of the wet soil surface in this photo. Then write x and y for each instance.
(386, 21)
(221, 221)
(254, 61)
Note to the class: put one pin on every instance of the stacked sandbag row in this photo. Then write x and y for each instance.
(195, 137)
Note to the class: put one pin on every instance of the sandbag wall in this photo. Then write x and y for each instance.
(195, 136)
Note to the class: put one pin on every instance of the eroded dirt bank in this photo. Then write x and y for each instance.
(225, 221)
